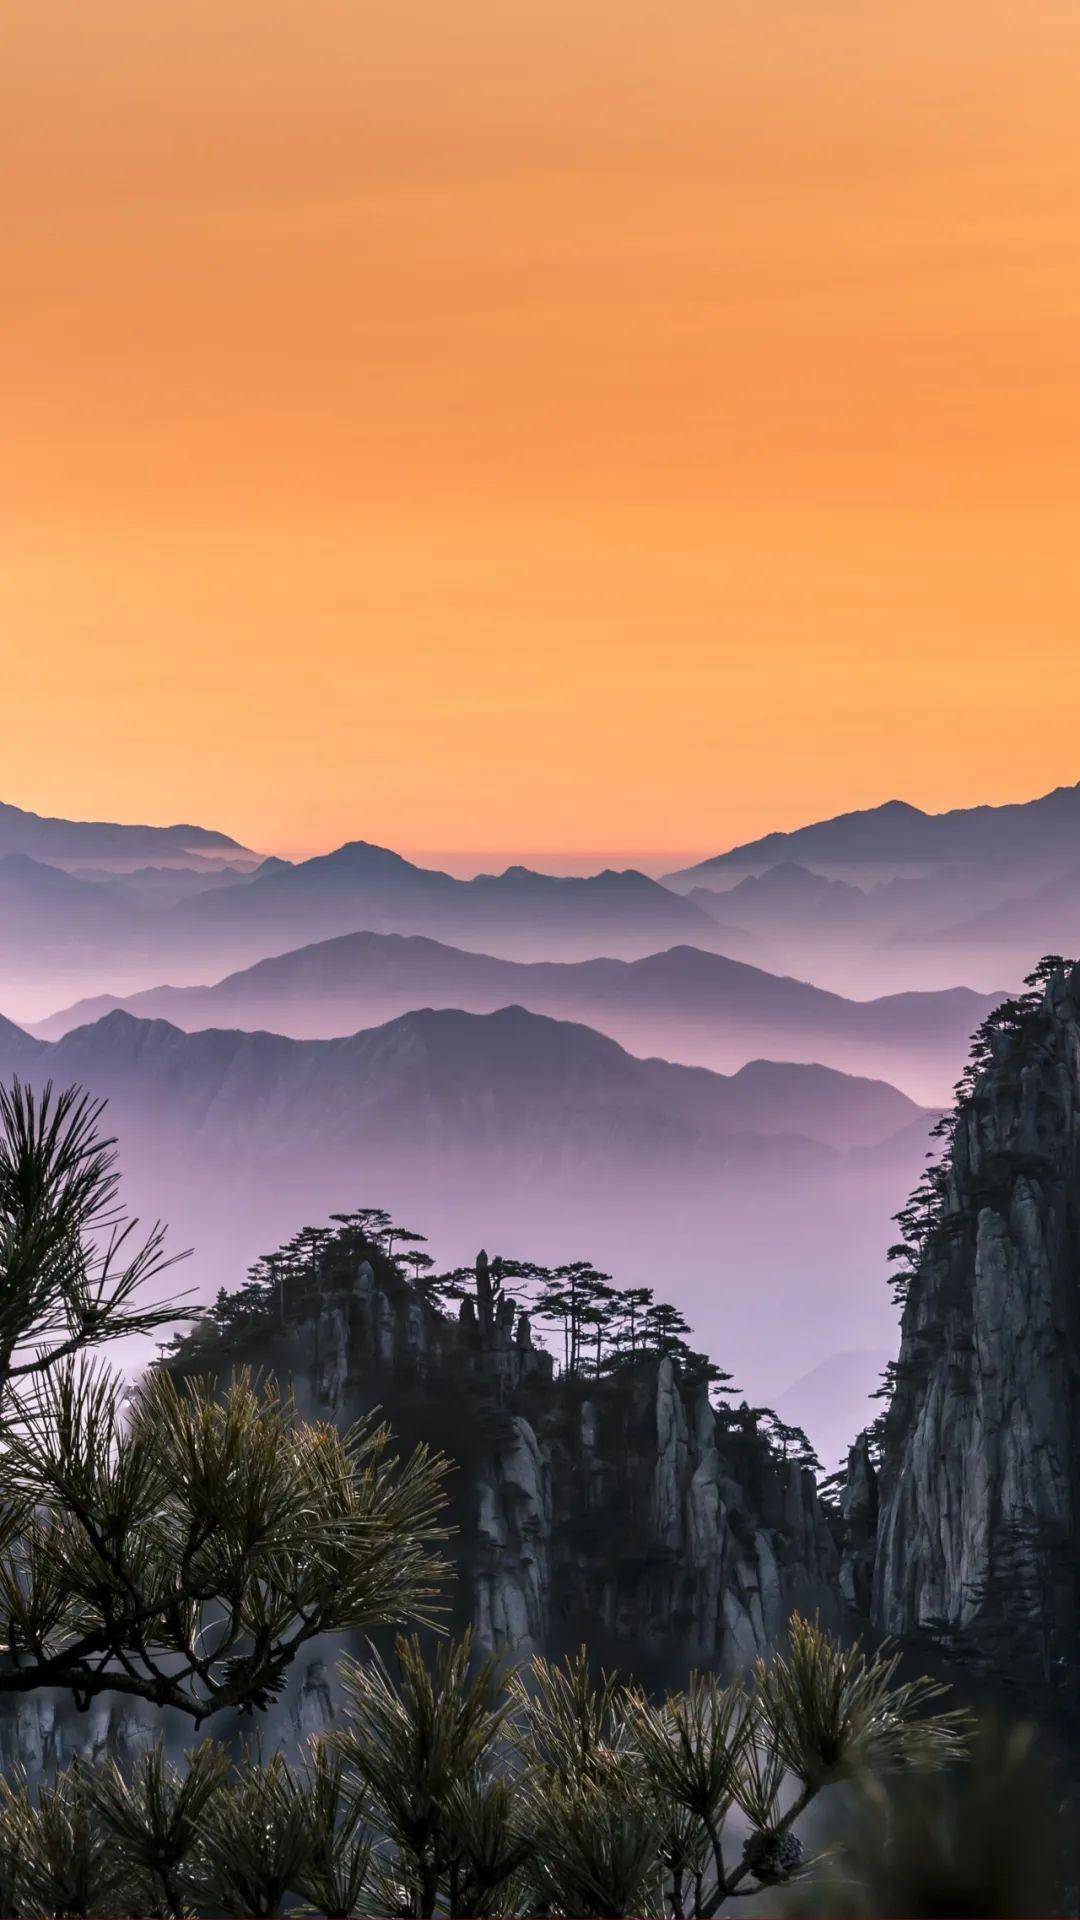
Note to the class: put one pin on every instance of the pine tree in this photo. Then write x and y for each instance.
(183, 1547)
(73, 1271)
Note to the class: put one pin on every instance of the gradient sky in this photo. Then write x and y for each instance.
(543, 427)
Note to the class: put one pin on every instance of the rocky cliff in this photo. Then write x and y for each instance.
(624, 1510)
(627, 1511)
(979, 1486)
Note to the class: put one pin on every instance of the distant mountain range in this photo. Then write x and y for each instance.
(62, 935)
(869, 905)
(1044, 918)
(977, 895)
(514, 1053)
(894, 933)
(900, 837)
(685, 1004)
(509, 914)
(105, 844)
(760, 1201)
(456, 1049)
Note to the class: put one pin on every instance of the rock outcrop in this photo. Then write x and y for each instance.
(633, 1515)
(627, 1511)
(41, 1732)
(980, 1490)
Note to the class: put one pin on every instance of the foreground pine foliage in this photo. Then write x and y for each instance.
(442, 1791)
(182, 1548)
(181, 1544)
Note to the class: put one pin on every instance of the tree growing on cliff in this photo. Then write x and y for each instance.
(636, 1302)
(664, 1327)
(604, 1327)
(578, 1298)
(790, 1442)
(1012, 1028)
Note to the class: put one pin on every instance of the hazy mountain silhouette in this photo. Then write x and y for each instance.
(898, 836)
(976, 894)
(117, 938)
(50, 918)
(191, 923)
(886, 934)
(165, 886)
(538, 1136)
(61, 932)
(515, 914)
(1045, 918)
(770, 902)
(734, 940)
(103, 843)
(685, 1004)
(512, 1054)
(824, 1400)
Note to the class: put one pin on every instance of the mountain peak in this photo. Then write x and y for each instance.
(901, 835)
(368, 853)
(788, 878)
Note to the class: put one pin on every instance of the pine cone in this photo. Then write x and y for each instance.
(773, 1856)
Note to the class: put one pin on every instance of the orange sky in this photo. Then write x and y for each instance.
(524, 426)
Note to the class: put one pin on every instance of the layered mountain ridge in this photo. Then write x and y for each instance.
(899, 834)
(884, 901)
(687, 1004)
(542, 1136)
(62, 934)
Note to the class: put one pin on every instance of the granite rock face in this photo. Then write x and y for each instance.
(40, 1732)
(979, 1493)
(859, 1523)
(510, 1571)
(627, 1510)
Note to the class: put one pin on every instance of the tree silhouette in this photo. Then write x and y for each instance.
(663, 1327)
